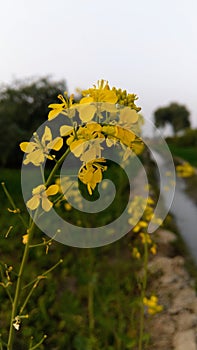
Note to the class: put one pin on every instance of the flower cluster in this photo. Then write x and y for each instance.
(102, 117)
(126, 99)
(152, 305)
(140, 204)
(185, 170)
(91, 173)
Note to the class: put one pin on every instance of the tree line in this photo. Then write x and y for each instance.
(23, 108)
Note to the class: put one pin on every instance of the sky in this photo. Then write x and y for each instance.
(146, 47)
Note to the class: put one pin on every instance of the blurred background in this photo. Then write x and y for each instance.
(148, 48)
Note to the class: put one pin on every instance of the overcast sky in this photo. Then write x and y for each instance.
(147, 47)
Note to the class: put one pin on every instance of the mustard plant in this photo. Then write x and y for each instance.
(102, 116)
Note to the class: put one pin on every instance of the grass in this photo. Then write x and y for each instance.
(187, 153)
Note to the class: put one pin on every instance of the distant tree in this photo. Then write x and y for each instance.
(23, 108)
(176, 115)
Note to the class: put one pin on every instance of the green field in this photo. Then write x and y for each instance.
(187, 153)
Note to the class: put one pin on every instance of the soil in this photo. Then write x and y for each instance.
(174, 328)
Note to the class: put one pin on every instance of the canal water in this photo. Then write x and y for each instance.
(183, 209)
(185, 213)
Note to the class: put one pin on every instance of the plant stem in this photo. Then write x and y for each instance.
(38, 344)
(56, 166)
(15, 305)
(91, 307)
(18, 285)
(14, 207)
(91, 285)
(144, 284)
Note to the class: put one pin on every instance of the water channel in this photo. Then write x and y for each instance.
(183, 209)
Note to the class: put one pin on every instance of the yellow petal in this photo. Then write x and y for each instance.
(51, 190)
(93, 127)
(128, 116)
(77, 147)
(27, 147)
(46, 204)
(86, 112)
(33, 203)
(54, 113)
(56, 144)
(89, 189)
(109, 129)
(65, 130)
(47, 136)
(56, 105)
(109, 107)
(110, 96)
(38, 189)
(125, 136)
(36, 157)
(86, 100)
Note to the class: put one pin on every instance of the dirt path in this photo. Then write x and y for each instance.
(175, 328)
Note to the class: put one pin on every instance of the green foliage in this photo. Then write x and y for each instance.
(174, 114)
(187, 153)
(185, 146)
(61, 305)
(23, 108)
(188, 139)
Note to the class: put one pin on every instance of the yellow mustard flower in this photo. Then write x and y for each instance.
(38, 150)
(153, 249)
(128, 116)
(135, 252)
(40, 194)
(86, 111)
(91, 173)
(87, 132)
(25, 238)
(185, 170)
(67, 206)
(99, 93)
(57, 108)
(140, 225)
(152, 305)
(90, 132)
(145, 238)
(125, 136)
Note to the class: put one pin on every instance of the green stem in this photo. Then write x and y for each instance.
(91, 307)
(42, 173)
(9, 296)
(144, 284)
(91, 286)
(38, 344)
(8, 231)
(26, 254)
(44, 274)
(45, 243)
(18, 285)
(56, 166)
(14, 207)
(5, 286)
(35, 284)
